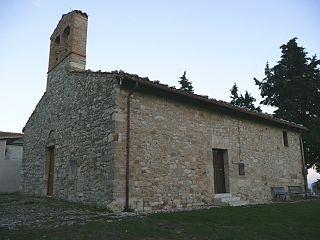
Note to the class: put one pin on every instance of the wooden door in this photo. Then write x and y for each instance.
(218, 171)
(51, 170)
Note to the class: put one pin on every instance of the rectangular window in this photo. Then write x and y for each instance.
(241, 168)
(285, 138)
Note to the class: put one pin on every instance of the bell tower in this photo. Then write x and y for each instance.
(68, 42)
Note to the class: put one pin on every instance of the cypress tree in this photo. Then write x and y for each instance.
(246, 101)
(186, 85)
(293, 87)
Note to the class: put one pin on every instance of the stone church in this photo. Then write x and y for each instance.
(127, 143)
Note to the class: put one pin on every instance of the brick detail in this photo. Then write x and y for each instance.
(69, 40)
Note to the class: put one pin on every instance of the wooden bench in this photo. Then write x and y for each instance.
(296, 192)
(279, 193)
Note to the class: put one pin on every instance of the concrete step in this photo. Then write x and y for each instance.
(230, 199)
(222, 195)
(238, 203)
(226, 199)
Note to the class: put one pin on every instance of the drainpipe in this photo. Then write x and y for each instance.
(304, 170)
(126, 207)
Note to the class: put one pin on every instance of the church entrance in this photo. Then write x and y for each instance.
(219, 171)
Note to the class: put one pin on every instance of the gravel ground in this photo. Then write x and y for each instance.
(18, 211)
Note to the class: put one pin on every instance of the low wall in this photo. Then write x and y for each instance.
(10, 175)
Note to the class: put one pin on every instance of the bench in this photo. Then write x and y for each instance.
(279, 193)
(296, 192)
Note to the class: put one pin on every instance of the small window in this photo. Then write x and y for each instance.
(241, 168)
(285, 138)
(66, 31)
(57, 40)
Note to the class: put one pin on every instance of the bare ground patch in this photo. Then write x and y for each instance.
(27, 211)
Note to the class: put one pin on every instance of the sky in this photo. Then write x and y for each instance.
(218, 43)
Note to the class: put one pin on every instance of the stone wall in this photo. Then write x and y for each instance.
(77, 112)
(171, 160)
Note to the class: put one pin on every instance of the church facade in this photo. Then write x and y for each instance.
(118, 140)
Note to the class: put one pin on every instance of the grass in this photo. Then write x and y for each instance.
(298, 220)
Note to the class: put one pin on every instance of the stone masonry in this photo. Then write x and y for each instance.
(84, 115)
(83, 129)
(171, 154)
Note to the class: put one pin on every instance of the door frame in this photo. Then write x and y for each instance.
(51, 168)
(217, 179)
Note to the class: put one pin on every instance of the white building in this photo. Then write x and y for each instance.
(11, 148)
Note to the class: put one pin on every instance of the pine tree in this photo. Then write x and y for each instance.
(186, 85)
(245, 101)
(293, 87)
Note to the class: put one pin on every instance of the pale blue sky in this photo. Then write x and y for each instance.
(218, 43)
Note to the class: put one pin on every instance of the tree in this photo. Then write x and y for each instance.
(243, 101)
(293, 87)
(186, 85)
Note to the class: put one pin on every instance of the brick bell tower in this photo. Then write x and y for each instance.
(68, 42)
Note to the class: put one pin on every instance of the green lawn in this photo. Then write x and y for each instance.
(298, 220)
